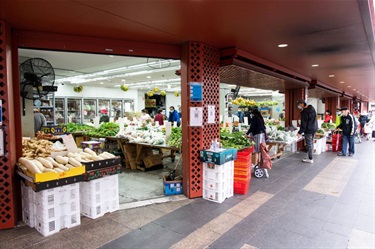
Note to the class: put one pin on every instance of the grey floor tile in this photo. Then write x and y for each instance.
(337, 229)
(365, 223)
(274, 237)
(328, 240)
(149, 236)
(299, 223)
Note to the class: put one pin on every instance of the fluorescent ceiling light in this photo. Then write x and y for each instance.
(315, 65)
(342, 82)
(116, 85)
(282, 45)
(101, 83)
(331, 75)
(148, 77)
(349, 86)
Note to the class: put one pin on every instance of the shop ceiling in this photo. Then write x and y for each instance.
(335, 35)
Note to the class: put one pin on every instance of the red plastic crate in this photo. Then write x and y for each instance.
(241, 187)
(249, 150)
(242, 172)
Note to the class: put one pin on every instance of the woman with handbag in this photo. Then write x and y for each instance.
(257, 131)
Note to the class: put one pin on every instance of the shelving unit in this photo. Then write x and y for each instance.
(46, 106)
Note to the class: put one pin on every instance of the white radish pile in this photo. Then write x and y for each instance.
(61, 163)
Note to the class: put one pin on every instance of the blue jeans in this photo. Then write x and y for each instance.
(345, 140)
(309, 140)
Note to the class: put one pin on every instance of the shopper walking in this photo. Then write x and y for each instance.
(348, 127)
(159, 117)
(362, 121)
(371, 123)
(257, 131)
(39, 120)
(308, 127)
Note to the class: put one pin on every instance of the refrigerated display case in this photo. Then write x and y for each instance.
(104, 105)
(60, 111)
(74, 110)
(89, 110)
(116, 109)
(46, 106)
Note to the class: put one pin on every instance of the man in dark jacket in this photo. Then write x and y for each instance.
(362, 120)
(309, 125)
(173, 116)
(348, 127)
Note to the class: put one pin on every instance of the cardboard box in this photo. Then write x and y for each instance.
(102, 163)
(55, 130)
(99, 173)
(50, 176)
(39, 186)
(152, 160)
(218, 157)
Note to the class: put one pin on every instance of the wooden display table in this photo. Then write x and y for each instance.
(280, 145)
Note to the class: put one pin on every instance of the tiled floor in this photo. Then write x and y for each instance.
(328, 204)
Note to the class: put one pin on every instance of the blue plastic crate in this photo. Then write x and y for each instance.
(172, 187)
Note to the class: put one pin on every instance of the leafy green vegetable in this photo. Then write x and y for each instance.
(235, 140)
(105, 130)
(175, 139)
(72, 127)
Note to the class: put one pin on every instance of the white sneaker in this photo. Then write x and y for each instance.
(306, 160)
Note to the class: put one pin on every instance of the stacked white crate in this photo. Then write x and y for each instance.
(317, 146)
(51, 210)
(324, 143)
(218, 181)
(99, 196)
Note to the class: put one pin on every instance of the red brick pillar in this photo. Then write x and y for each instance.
(291, 110)
(199, 63)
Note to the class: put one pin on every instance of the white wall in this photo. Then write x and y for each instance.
(28, 120)
(96, 92)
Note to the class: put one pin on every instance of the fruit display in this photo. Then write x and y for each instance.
(156, 89)
(150, 93)
(163, 93)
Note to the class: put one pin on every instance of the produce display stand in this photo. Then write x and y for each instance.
(79, 137)
(280, 145)
(140, 155)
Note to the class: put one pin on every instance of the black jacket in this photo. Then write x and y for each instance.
(309, 124)
(347, 125)
(256, 126)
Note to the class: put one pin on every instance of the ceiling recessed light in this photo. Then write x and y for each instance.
(282, 45)
(349, 86)
(342, 82)
(331, 75)
(315, 65)
(148, 77)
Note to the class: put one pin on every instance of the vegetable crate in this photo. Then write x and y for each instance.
(242, 172)
(51, 210)
(218, 181)
(99, 173)
(99, 196)
(172, 187)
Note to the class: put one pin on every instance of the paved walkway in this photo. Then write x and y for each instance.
(328, 204)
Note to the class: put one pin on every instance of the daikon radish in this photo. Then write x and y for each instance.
(74, 162)
(104, 156)
(62, 167)
(39, 165)
(87, 155)
(108, 154)
(62, 160)
(45, 162)
(58, 170)
(97, 158)
(48, 170)
(69, 166)
(29, 165)
(90, 151)
(71, 154)
(51, 160)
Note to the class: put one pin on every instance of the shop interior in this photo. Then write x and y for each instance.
(89, 85)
